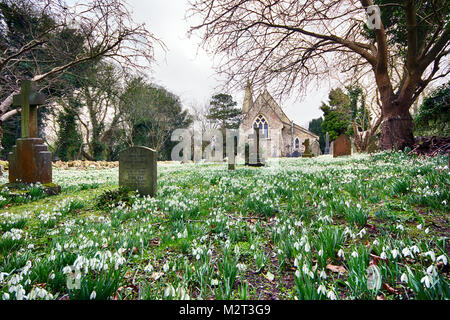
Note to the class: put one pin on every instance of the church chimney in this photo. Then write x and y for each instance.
(248, 99)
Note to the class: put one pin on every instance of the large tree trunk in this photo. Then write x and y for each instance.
(397, 127)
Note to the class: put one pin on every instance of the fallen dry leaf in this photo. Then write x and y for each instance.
(156, 275)
(336, 269)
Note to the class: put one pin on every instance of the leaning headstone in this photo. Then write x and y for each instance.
(307, 153)
(138, 170)
(342, 146)
(30, 161)
(327, 144)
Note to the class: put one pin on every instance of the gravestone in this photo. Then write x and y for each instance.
(254, 156)
(138, 170)
(30, 161)
(307, 153)
(342, 146)
(327, 144)
(315, 148)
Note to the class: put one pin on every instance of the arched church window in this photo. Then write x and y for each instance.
(297, 143)
(262, 125)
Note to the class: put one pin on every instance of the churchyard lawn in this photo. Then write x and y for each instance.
(366, 227)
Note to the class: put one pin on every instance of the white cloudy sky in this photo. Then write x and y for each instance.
(187, 71)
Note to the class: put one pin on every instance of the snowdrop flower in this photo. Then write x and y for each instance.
(148, 268)
(376, 243)
(170, 291)
(166, 267)
(322, 290)
(93, 295)
(395, 253)
(415, 249)
(431, 270)
(400, 227)
(5, 296)
(241, 267)
(355, 254)
(431, 255)
(297, 274)
(404, 278)
(340, 253)
(406, 252)
(323, 274)
(419, 227)
(442, 258)
(307, 247)
(427, 230)
(383, 255)
(320, 253)
(331, 295)
(426, 281)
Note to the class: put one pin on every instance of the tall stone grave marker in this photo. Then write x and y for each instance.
(342, 146)
(138, 170)
(327, 144)
(30, 162)
(255, 159)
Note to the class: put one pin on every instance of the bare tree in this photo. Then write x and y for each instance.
(105, 28)
(289, 43)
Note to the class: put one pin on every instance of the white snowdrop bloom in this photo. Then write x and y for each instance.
(431, 270)
(297, 274)
(331, 295)
(355, 254)
(307, 247)
(376, 242)
(404, 278)
(323, 274)
(297, 246)
(241, 267)
(427, 230)
(30, 246)
(415, 249)
(442, 258)
(444, 202)
(148, 268)
(431, 254)
(406, 252)
(358, 206)
(93, 295)
(214, 282)
(320, 253)
(419, 227)
(252, 247)
(362, 233)
(340, 253)
(322, 290)
(400, 227)
(426, 281)
(383, 255)
(3, 275)
(170, 291)
(5, 296)
(166, 267)
(52, 276)
(395, 253)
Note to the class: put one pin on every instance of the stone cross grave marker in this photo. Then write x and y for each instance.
(29, 100)
(30, 162)
(342, 146)
(138, 170)
(307, 153)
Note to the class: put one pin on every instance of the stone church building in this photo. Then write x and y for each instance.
(281, 137)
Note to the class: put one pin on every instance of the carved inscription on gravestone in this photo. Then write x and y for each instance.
(138, 170)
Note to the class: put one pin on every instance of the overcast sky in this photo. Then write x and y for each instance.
(186, 70)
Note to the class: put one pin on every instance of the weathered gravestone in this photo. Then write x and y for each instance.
(307, 153)
(315, 148)
(254, 157)
(342, 146)
(138, 170)
(30, 162)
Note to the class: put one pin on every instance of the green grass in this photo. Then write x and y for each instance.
(297, 229)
